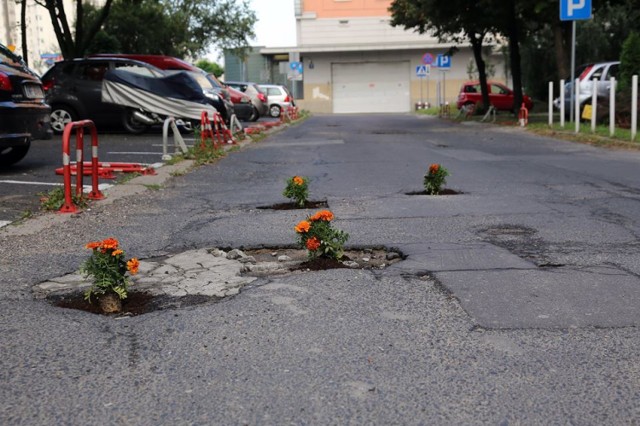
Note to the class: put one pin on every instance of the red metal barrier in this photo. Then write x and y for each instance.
(205, 130)
(95, 194)
(523, 116)
(106, 170)
(218, 133)
(222, 132)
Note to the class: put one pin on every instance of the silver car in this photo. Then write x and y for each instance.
(601, 72)
(279, 98)
(257, 95)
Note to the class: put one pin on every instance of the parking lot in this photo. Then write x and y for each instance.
(21, 184)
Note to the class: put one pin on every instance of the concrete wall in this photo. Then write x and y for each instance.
(318, 81)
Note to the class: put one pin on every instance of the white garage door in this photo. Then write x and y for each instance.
(371, 87)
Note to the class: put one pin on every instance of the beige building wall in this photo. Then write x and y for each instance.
(359, 31)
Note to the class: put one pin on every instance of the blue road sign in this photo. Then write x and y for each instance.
(443, 61)
(423, 70)
(427, 58)
(575, 10)
(296, 66)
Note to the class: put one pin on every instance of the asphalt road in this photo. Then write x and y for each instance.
(518, 302)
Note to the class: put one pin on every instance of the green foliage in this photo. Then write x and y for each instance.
(210, 67)
(435, 179)
(629, 61)
(54, 199)
(297, 190)
(319, 238)
(181, 28)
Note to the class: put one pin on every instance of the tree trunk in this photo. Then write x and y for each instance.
(23, 30)
(476, 45)
(561, 36)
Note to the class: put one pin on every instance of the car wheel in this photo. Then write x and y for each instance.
(13, 154)
(254, 114)
(275, 111)
(132, 125)
(61, 115)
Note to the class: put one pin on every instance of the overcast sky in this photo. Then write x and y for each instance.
(276, 26)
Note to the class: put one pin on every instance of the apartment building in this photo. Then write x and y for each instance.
(354, 61)
(41, 39)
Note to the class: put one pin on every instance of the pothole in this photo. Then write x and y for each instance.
(294, 206)
(205, 275)
(445, 191)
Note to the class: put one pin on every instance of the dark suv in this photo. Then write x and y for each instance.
(24, 114)
(74, 91)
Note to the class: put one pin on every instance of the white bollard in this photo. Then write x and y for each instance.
(550, 103)
(562, 103)
(634, 107)
(594, 105)
(576, 90)
(612, 107)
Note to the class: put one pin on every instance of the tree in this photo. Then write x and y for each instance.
(210, 67)
(449, 20)
(74, 42)
(629, 61)
(182, 28)
(170, 27)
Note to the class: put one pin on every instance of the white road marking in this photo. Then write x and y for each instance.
(86, 188)
(21, 182)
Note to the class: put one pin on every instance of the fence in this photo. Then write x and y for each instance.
(590, 111)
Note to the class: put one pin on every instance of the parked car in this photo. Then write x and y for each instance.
(226, 107)
(500, 96)
(279, 98)
(74, 91)
(257, 95)
(601, 72)
(25, 115)
(242, 104)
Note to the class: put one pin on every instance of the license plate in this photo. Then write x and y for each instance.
(33, 91)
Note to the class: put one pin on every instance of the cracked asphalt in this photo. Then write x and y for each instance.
(517, 302)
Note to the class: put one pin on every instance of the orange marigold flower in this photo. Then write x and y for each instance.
(133, 265)
(313, 244)
(93, 245)
(117, 252)
(434, 168)
(298, 180)
(325, 215)
(303, 227)
(110, 244)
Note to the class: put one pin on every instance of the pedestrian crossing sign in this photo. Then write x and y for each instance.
(423, 70)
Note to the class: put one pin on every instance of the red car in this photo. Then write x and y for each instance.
(500, 96)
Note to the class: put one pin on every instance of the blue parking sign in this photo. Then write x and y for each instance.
(575, 10)
(443, 61)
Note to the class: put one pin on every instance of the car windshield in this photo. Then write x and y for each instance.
(201, 79)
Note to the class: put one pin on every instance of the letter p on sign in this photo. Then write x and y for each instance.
(573, 10)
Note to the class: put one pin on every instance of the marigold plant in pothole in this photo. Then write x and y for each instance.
(434, 181)
(297, 190)
(205, 275)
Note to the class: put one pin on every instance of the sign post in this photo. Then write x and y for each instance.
(422, 71)
(443, 63)
(574, 10)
